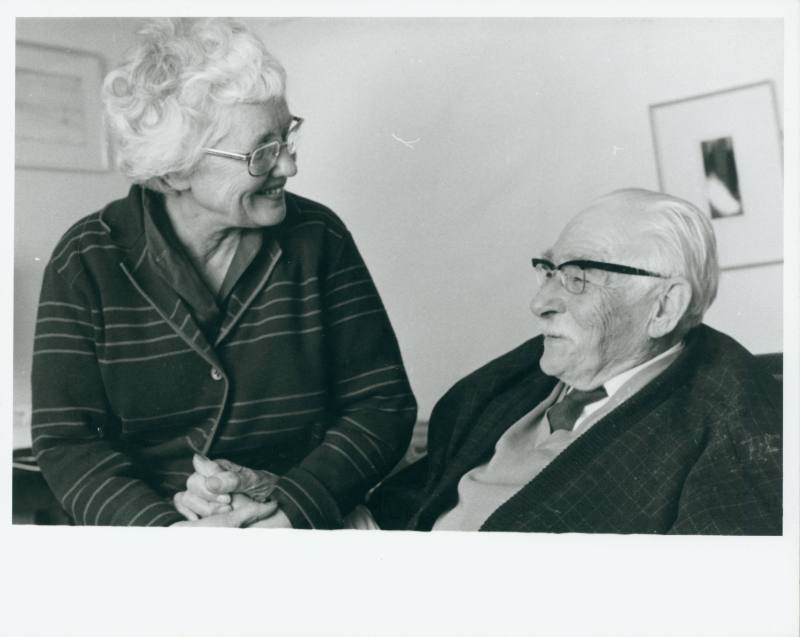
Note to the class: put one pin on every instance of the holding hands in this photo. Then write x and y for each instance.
(222, 493)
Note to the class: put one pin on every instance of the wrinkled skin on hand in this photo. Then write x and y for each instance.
(243, 511)
(258, 484)
(223, 493)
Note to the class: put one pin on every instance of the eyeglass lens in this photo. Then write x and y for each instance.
(571, 277)
(263, 158)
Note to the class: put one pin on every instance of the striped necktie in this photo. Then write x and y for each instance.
(562, 415)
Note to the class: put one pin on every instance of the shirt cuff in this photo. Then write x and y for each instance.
(306, 501)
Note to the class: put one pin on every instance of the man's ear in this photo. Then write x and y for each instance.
(669, 308)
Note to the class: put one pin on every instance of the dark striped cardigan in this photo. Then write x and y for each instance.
(304, 379)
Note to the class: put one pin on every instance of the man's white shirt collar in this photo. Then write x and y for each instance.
(612, 385)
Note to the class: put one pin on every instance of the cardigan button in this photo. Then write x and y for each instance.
(216, 374)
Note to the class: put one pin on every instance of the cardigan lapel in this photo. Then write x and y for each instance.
(502, 412)
(572, 464)
(124, 223)
(248, 288)
(253, 282)
(481, 429)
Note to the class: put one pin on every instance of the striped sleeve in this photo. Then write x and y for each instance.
(94, 480)
(373, 408)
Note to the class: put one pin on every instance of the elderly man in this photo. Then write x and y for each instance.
(627, 414)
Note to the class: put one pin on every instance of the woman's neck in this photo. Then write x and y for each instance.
(210, 245)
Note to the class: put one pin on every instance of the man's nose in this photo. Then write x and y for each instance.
(549, 298)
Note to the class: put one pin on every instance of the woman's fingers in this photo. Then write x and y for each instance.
(177, 500)
(243, 512)
(204, 466)
(247, 511)
(200, 507)
(198, 485)
(224, 482)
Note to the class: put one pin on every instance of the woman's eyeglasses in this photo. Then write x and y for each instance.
(262, 159)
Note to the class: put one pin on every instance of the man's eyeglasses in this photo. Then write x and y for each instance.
(572, 274)
(263, 158)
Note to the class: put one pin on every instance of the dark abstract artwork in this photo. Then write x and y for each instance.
(722, 182)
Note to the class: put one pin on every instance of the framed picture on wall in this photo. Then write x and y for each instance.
(723, 152)
(58, 115)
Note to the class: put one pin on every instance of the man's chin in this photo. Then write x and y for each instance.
(549, 364)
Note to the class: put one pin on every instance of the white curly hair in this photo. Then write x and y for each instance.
(165, 104)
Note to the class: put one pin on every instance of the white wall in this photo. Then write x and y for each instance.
(47, 202)
(520, 123)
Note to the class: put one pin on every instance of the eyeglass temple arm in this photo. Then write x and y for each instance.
(296, 121)
(611, 267)
(225, 153)
(598, 265)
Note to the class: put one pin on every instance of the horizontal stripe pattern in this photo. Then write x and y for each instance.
(306, 381)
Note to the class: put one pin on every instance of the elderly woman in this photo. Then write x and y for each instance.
(211, 349)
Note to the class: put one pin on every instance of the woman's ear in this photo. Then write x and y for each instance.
(176, 182)
(670, 308)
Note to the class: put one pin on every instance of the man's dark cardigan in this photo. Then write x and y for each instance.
(697, 450)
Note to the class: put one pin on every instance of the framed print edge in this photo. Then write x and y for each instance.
(58, 113)
(723, 151)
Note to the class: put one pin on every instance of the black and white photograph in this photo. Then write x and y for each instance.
(420, 319)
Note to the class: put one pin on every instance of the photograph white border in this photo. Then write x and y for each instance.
(350, 583)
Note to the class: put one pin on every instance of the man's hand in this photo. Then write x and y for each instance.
(244, 512)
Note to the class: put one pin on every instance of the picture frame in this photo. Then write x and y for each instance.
(58, 113)
(723, 152)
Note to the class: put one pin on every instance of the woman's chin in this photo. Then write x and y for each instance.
(267, 211)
